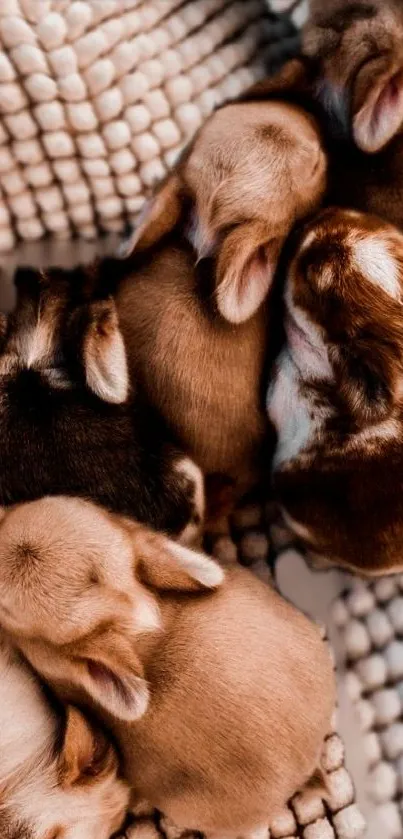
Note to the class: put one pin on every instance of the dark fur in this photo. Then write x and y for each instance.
(70, 441)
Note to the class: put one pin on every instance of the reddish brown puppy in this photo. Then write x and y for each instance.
(337, 395)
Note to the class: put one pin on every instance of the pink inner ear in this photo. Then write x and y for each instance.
(107, 680)
(378, 122)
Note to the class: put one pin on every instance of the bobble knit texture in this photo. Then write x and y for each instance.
(98, 97)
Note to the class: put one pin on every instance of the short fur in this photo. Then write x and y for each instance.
(58, 773)
(197, 336)
(336, 396)
(219, 701)
(69, 420)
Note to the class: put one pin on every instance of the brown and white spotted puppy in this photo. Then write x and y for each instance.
(218, 691)
(336, 399)
(58, 773)
(71, 422)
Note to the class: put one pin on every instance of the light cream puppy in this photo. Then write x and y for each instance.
(219, 700)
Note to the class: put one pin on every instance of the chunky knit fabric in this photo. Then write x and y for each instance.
(98, 97)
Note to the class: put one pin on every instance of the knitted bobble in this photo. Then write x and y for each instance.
(379, 628)
(50, 199)
(22, 205)
(153, 71)
(357, 640)
(34, 11)
(392, 741)
(28, 151)
(29, 59)
(207, 102)
(12, 98)
(96, 168)
(109, 207)
(167, 133)
(360, 601)
(52, 31)
(145, 147)
(189, 119)
(90, 47)
(178, 90)
(88, 231)
(372, 671)
(134, 205)
(57, 222)
(21, 125)
(284, 825)
(7, 239)
(9, 8)
(395, 614)
(78, 18)
(100, 75)
(340, 788)
(320, 830)
(77, 193)
(103, 187)
(63, 61)
(200, 78)
(91, 145)
(132, 23)
(333, 753)
(171, 64)
(81, 214)
(128, 185)
(4, 214)
(387, 706)
(39, 175)
(50, 116)
(72, 88)
(161, 40)
(365, 713)
(116, 134)
(15, 31)
(138, 117)
(382, 783)
(109, 104)
(105, 8)
(82, 116)
(7, 72)
(307, 808)
(133, 87)
(31, 229)
(394, 660)
(122, 161)
(152, 172)
(349, 823)
(156, 104)
(12, 182)
(58, 144)
(41, 88)
(372, 748)
(385, 589)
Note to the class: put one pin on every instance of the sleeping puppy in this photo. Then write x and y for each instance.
(202, 263)
(58, 773)
(358, 48)
(69, 420)
(219, 699)
(336, 398)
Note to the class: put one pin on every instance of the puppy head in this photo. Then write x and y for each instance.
(360, 52)
(58, 774)
(253, 169)
(84, 584)
(344, 301)
(61, 335)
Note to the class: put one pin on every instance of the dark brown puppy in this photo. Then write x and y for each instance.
(337, 394)
(69, 421)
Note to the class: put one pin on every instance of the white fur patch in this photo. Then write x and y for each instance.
(308, 241)
(147, 615)
(193, 530)
(106, 369)
(290, 412)
(199, 566)
(372, 257)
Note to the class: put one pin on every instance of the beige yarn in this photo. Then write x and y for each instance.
(98, 97)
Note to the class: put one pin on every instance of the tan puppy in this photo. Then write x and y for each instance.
(58, 774)
(219, 701)
(337, 394)
(197, 336)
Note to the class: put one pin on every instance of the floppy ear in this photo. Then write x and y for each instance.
(104, 352)
(245, 270)
(85, 752)
(378, 105)
(296, 76)
(368, 380)
(168, 566)
(109, 671)
(160, 215)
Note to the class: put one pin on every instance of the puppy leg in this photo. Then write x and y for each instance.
(191, 536)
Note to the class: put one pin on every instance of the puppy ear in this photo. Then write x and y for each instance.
(104, 354)
(109, 671)
(85, 752)
(160, 215)
(245, 270)
(378, 105)
(296, 76)
(168, 566)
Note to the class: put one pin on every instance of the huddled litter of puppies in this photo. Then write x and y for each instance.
(247, 340)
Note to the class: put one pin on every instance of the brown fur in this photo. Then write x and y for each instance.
(237, 685)
(197, 336)
(340, 380)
